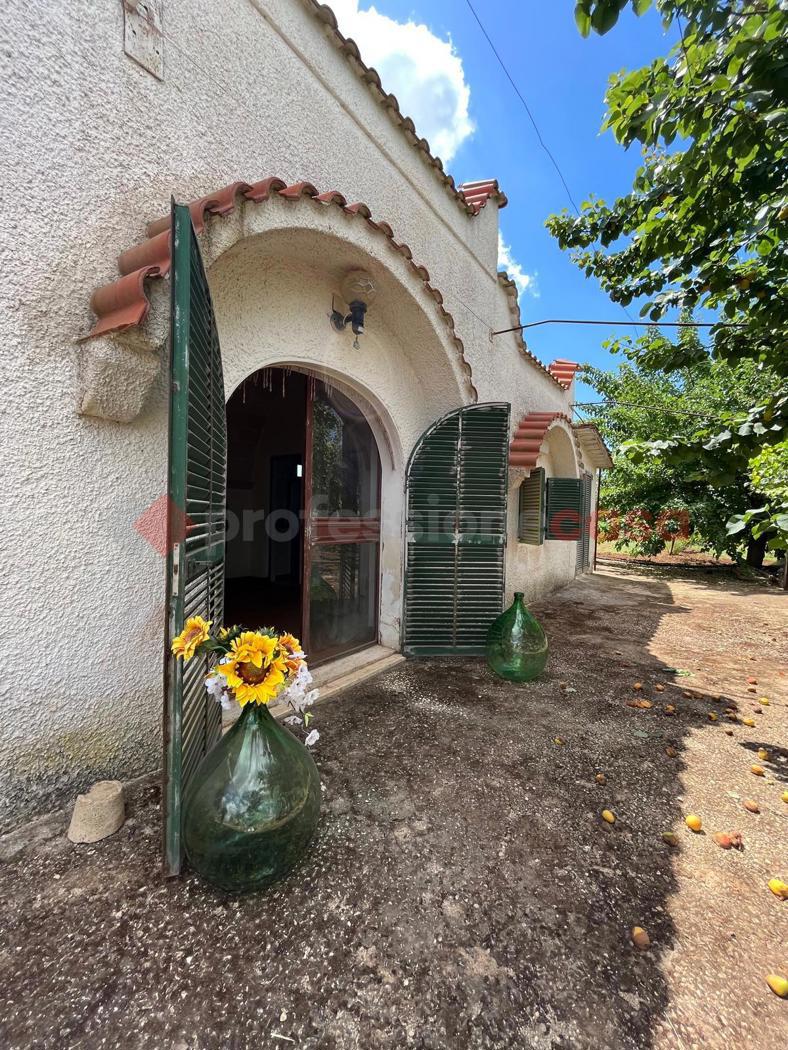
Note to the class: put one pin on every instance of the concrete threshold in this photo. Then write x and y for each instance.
(336, 676)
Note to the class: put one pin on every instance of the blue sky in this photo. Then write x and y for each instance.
(446, 77)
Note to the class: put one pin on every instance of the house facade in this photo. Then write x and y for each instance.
(388, 488)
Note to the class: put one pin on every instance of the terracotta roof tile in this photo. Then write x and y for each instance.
(563, 371)
(478, 193)
(529, 437)
(478, 197)
(124, 303)
(514, 308)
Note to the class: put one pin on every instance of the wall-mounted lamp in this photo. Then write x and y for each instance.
(357, 290)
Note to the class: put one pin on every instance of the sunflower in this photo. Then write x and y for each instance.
(291, 646)
(254, 669)
(195, 632)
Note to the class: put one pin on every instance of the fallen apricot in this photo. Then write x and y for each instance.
(763, 754)
(609, 816)
(659, 687)
(764, 700)
(778, 984)
(559, 740)
(784, 796)
(729, 839)
(779, 888)
(693, 822)
(670, 837)
(640, 938)
(748, 722)
(751, 805)
(752, 689)
(644, 705)
(759, 771)
(600, 778)
(670, 709)
(671, 752)
(637, 685)
(728, 731)
(752, 681)
(712, 716)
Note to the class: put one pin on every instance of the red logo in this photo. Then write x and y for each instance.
(163, 524)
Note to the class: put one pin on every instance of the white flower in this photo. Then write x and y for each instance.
(313, 738)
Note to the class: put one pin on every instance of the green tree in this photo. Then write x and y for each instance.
(649, 500)
(705, 225)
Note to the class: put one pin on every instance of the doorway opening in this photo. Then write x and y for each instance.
(303, 508)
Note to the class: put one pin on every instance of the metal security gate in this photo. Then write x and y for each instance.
(456, 531)
(196, 519)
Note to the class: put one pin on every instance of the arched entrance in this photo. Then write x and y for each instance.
(303, 512)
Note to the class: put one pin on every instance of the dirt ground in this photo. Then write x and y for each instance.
(463, 891)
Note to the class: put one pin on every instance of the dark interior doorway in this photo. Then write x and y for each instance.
(266, 428)
(302, 453)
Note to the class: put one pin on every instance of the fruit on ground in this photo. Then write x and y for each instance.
(778, 984)
(693, 822)
(640, 938)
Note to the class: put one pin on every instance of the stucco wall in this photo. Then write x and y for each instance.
(91, 148)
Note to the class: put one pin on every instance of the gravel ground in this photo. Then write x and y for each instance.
(463, 891)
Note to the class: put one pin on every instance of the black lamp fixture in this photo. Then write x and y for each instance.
(357, 290)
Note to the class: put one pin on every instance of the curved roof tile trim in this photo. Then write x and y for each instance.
(510, 288)
(563, 371)
(529, 437)
(478, 193)
(349, 48)
(124, 303)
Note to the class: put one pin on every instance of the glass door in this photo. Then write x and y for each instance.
(342, 534)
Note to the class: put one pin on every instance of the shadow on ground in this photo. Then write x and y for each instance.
(463, 891)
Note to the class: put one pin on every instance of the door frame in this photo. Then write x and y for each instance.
(315, 531)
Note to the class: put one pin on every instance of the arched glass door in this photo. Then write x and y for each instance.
(342, 534)
(303, 513)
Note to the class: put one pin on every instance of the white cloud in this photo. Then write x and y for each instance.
(423, 71)
(526, 282)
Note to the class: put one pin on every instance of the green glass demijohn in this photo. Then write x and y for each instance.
(516, 643)
(253, 805)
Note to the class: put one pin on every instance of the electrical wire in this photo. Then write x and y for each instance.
(626, 324)
(650, 408)
(526, 107)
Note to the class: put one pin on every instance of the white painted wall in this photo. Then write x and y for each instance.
(91, 148)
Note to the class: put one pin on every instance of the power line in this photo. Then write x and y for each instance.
(650, 408)
(627, 324)
(542, 142)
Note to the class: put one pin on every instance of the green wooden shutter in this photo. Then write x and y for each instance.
(195, 559)
(564, 508)
(584, 542)
(530, 526)
(456, 531)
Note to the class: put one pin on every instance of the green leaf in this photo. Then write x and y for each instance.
(640, 6)
(583, 17)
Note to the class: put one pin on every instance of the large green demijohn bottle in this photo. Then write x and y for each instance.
(516, 643)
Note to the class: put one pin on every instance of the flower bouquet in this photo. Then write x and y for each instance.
(252, 806)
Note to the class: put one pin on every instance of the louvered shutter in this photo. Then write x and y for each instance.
(584, 542)
(196, 526)
(564, 508)
(530, 526)
(456, 531)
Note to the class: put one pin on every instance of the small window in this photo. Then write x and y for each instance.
(530, 526)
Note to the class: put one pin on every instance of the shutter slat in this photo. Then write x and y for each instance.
(197, 465)
(456, 523)
(564, 509)
(531, 516)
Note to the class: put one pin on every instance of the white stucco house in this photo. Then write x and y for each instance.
(345, 454)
